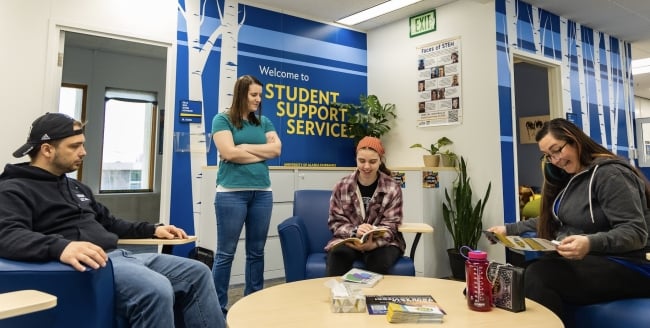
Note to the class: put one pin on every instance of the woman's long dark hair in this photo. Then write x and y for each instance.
(239, 104)
(555, 179)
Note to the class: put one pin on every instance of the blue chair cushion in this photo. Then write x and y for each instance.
(316, 263)
(628, 313)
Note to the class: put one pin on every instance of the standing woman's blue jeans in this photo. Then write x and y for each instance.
(235, 210)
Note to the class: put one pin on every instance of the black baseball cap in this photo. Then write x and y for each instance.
(51, 126)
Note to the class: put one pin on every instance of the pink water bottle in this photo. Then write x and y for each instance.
(479, 289)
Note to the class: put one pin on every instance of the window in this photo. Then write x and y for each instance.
(72, 101)
(129, 141)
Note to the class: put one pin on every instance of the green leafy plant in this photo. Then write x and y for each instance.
(368, 118)
(434, 148)
(451, 158)
(462, 217)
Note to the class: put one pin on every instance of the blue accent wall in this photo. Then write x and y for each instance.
(590, 72)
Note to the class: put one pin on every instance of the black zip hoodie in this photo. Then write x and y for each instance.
(41, 213)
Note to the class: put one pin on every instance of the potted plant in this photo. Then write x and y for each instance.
(435, 154)
(463, 218)
(369, 118)
(448, 158)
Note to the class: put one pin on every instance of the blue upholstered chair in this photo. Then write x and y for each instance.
(304, 235)
(84, 299)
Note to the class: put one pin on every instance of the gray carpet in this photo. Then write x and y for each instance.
(236, 292)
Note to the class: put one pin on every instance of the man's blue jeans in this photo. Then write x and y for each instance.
(160, 290)
(235, 210)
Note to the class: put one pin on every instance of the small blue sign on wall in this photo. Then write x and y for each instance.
(190, 111)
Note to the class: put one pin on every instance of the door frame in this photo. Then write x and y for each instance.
(555, 101)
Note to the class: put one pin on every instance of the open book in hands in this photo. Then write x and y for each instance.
(375, 233)
(522, 243)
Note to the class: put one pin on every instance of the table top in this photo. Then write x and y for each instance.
(24, 301)
(415, 227)
(306, 303)
(156, 241)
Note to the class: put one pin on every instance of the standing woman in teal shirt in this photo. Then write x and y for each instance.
(245, 140)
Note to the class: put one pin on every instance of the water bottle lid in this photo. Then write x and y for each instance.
(477, 255)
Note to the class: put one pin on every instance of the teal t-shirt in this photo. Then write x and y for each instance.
(246, 176)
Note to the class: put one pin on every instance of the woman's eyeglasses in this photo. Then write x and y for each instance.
(554, 154)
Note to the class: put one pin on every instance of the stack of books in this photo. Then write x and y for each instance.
(422, 312)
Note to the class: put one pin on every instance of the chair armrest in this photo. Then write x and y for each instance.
(25, 301)
(415, 227)
(294, 248)
(418, 229)
(156, 241)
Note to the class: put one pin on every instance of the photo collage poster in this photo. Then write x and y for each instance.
(439, 80)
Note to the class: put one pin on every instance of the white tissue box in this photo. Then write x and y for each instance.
(348, 304)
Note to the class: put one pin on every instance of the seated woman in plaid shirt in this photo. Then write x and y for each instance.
(361, 201)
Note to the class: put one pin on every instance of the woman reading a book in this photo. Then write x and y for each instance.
(597, 206)
(368, 199)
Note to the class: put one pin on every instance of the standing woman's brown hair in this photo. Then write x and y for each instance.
(239, 106)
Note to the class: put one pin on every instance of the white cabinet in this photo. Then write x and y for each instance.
(284, 181)
(420, 205)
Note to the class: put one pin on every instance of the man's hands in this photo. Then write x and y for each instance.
(169, 232)
(80, 253)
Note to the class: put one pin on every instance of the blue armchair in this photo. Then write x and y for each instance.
(84, 299)
(304, 235)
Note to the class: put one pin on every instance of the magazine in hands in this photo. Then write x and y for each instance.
(522, 243)
(378, 304)
(361, 278)
(375, 232)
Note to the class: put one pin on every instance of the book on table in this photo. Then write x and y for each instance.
(378, 304)
(522, 243)
(414, 312)
(361, 278)
(375, 232)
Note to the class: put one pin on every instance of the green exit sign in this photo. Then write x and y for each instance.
(422, 23)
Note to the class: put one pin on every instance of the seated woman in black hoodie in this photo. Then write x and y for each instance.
(597, 206)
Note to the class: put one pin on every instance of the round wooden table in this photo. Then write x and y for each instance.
(306, 304)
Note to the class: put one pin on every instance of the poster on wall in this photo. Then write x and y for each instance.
(439, 81)
(529, 126)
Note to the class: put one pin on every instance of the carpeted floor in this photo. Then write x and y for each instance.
(236, 292)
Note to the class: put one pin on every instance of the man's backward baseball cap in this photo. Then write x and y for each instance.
(51, 126)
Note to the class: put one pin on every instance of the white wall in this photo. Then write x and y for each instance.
(30, 81)
(28, 29)
(392, 76)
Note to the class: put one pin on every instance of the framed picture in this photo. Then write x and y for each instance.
(528, 127)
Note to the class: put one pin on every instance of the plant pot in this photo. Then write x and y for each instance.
(457, 263)
(447, 161)
(431, 160)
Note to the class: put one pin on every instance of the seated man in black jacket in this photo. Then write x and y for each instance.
(47, 216)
